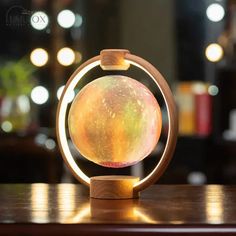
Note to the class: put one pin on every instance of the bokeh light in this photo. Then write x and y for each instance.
(39, 95)
(213, 90)
(214, 52)
(78, 20)
(78, 57)
(39, 57)
(39, 20)
(70, 96)
(199, 88)
(23, 103)
(6, 126)
(66, 56)
(66, 18)
(196, 178)
(215, 12)
(40, 139)
(50, 144)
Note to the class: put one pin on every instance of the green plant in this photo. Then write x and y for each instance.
(16, 78)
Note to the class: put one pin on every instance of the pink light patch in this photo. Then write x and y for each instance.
(111, 164)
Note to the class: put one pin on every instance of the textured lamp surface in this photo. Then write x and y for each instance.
(115, 121)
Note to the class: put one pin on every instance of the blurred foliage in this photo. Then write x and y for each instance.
(16, 78)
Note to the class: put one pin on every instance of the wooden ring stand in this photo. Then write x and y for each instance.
(117, 187)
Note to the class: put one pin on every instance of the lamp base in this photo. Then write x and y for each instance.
(113, 187)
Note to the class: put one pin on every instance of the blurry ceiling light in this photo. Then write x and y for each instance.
(70, 96)
(214, 52)
(215, 12)
(66, 18)
(39, 57)
(6, 126)
(66, 56)
(39, 95)
(39, 20)
(78, 20)
(213, 90)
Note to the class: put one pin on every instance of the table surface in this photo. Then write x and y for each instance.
(36, 209)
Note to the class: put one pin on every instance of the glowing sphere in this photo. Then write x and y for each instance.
(115, 121)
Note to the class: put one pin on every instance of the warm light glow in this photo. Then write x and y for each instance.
(215, 12)
(66, 56)
(39, 57)
(39, 203)
(214, 52)
(39, 95)
(62, 121)
(70, 96)
(66, 198)
(6, 126)
(81, 215)
(137, 185)
(213, 90)
(39, 20)
(66, 18)
(144, 217)
(214, 204)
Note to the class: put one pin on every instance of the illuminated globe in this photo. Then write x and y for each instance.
(115, 121)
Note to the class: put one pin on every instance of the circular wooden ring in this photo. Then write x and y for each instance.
(171, 110)
(172, 120)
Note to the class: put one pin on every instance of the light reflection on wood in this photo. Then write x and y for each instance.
(214, 199)
(68, 203)
(113, 209)
(117, 210)
(39, 203)
(66, 198)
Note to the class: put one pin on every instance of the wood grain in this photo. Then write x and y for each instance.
(66, 209)
(113, 59)
(113, 187)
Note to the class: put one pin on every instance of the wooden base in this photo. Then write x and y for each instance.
(113, 187)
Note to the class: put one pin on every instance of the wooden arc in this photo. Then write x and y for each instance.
(172, 120)
(161, 83)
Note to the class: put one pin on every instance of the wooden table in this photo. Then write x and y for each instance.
(65, 209)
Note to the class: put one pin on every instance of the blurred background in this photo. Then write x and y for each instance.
(192, 43)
